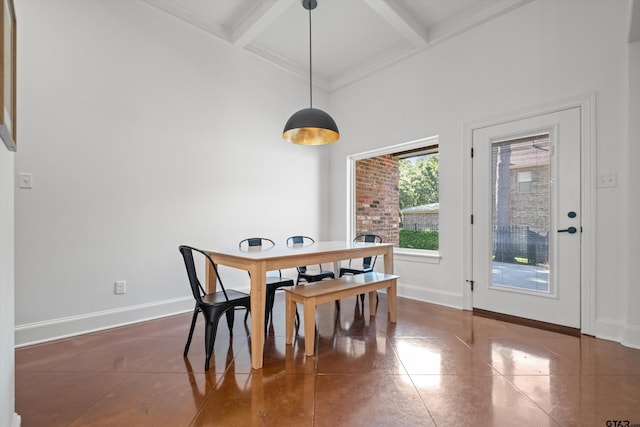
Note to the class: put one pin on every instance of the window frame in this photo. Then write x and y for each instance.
(416, 255)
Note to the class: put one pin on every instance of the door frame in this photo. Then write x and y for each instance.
(587, 104)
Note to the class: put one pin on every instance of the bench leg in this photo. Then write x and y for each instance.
(372, 303)
(290, 312)
(309, 325)
(392, 300)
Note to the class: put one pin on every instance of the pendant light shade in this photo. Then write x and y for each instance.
(310, 126)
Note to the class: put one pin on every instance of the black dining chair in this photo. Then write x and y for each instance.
(275, 280)
(368, 263)
(304, 273)
(213, 305)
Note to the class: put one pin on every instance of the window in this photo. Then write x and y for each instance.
(396, 195)
(524, 182)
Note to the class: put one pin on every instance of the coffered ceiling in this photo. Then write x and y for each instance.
(351, 38)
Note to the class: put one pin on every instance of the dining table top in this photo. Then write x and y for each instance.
(282, 256)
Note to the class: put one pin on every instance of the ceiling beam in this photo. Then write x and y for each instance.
(249, 27)
(402, 21)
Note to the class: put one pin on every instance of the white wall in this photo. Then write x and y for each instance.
(544, 52)
(7, 377)
(143, 133)
(632, 332)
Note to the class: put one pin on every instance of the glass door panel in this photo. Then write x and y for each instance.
(521, 199)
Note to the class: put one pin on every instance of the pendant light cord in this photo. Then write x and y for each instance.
(310, 67)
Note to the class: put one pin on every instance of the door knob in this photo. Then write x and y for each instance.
(569, 230)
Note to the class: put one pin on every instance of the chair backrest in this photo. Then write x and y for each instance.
(368, 238)
(256, 243)
(299, 241)
(192, 273)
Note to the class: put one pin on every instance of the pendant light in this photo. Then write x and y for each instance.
(310, 126)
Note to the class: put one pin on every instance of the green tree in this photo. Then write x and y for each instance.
(418, 182)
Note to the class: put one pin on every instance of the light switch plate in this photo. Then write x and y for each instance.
(25, 180)
(607, 180)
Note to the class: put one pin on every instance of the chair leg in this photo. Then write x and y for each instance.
(362, 299)
(193, 325)
(208, 345)
(272, 300)
(268, 308)
(230, 316)
(210, 338)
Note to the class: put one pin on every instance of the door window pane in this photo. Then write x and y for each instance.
(521, 213)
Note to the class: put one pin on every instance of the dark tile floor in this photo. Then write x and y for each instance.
(436, 367)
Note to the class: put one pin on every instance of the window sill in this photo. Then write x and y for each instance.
(416, 255)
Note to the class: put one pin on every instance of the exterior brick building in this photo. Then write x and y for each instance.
(528, 200)
(378, 197)
(521, 200)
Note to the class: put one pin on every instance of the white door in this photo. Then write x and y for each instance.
(527, 219)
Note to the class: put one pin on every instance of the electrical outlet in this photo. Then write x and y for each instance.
(120, 287)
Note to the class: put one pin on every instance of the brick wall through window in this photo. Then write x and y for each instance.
(377, 197)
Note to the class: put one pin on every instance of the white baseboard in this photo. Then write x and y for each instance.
(608, 329)
(17, 421)
(614, 330)
(49, 330)
(435, 296)
(631, 336)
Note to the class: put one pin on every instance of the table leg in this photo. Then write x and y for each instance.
(388, 260)
(392, 300)
(309, 326)
(392, 291)
(290, 314)
(372, 303)
(258, 302)
(210, 278)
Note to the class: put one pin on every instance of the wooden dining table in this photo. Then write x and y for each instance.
(259, 262)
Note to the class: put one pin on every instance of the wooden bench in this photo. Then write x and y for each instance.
(332, 290)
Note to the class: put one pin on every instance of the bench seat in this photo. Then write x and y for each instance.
(332, 290)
